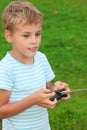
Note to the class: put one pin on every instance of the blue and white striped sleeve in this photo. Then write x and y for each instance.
(5, 78)
(48, 71)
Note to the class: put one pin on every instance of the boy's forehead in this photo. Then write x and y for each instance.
(30, 27)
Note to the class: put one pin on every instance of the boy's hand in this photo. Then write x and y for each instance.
(61, 85)
(42, 98)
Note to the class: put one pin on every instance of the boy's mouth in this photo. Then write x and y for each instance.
(32, 48)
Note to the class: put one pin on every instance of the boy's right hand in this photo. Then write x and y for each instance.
(42, 98)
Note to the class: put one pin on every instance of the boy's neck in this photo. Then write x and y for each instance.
(28, 60)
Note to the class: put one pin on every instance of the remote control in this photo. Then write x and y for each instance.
(58, 95)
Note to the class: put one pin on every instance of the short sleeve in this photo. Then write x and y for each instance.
(48, 71)
(5, 78)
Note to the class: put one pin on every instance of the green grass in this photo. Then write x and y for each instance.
(64, 41)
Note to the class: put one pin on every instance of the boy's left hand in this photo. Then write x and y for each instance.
(61, 85)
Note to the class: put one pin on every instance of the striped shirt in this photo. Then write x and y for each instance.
(23, 80)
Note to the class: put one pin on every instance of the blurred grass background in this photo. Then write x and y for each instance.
(64, 41)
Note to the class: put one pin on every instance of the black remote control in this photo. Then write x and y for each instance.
(58, 95)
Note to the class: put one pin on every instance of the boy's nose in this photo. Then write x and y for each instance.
(33, 40)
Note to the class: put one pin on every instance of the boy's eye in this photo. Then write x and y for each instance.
(38, 34)
(25, 36)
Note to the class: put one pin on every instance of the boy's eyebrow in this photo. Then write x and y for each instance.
(35, 32)
(39, 31)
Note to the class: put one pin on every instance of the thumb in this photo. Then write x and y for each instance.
(45, 90)
(51, 94)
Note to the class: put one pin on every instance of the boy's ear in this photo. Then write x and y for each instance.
(8, 36)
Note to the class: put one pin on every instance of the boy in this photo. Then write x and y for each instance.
(25, 74)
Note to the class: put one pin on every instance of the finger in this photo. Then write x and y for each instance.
(45, 90)
(52, 94)
(57, 85)
(54, 101)
(66, 91)
(51, 104)
(66, 98)
(61, 85)
(64, 85)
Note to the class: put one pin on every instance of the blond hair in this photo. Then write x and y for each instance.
(20, 11)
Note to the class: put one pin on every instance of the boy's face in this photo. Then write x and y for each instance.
(25, 41)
